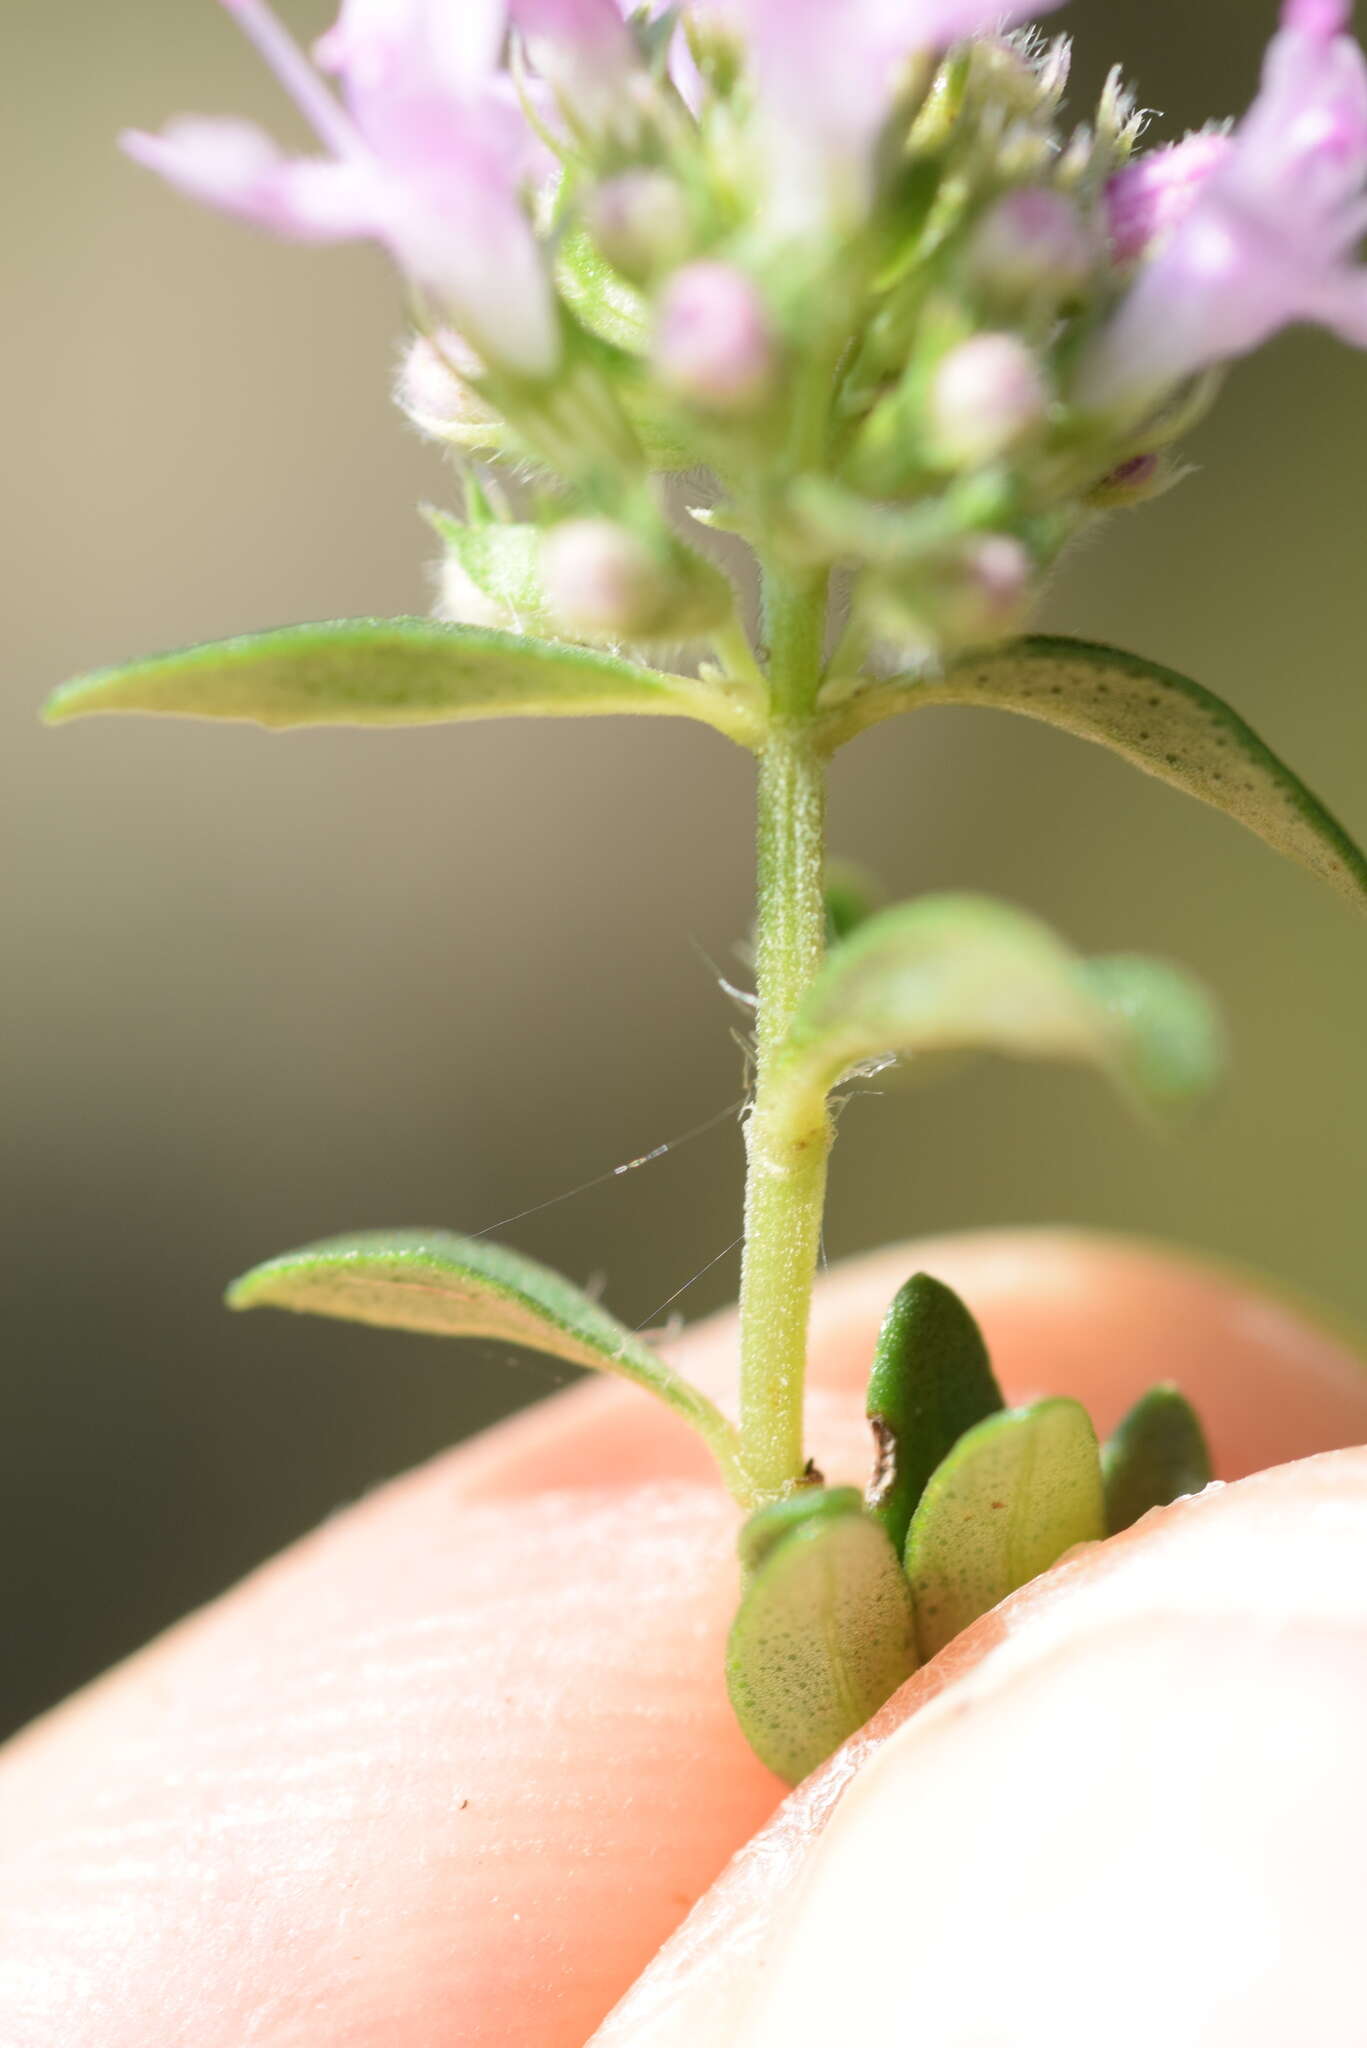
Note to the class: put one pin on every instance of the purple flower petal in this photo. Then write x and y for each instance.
(1266, 238)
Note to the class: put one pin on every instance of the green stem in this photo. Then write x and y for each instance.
(786, 1165)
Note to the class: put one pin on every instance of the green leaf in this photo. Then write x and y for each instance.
(1157, 1453)
(502, 558)
(447, 1286)
(949, 973)
(1014, 1494)
(823, 1636)
(393, 672)
(931, 1381)
(1158, 720)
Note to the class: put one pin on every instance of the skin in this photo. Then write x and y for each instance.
(450, 1770)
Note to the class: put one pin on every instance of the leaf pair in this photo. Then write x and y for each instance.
(969, 1501)
(412, 671)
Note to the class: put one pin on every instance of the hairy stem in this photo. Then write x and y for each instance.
(786, 1166)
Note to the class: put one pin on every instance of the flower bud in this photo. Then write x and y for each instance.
(1032, 243)
(431, 390)
(461, 602)
(640, 221)
(986, 397)
(602, 579)
(713, 342)
(986, 591)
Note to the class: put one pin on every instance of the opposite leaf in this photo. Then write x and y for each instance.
(1011, 1497)
(823, 1636)
(1157, 1453)
(931, 1381)
(393, 672)
(448, 1286)
(950, 973)
(1158, 720)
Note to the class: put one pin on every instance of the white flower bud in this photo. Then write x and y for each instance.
(461, 602)
(713, 342)
(431, 389)
(640, 221)
(1031, 242)
(986, 397)
(602, 580)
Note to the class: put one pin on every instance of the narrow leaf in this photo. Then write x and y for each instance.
(931, 1381)
(393, 672)
(1014, 1494)
(823, 1636)
(1160, 721)
(447, 1286)
(949, 973)
(1157, 1453)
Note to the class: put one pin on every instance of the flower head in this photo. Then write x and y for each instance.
(1252, 232)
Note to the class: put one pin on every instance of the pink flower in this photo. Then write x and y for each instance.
(429, 155)
(1265, 238)
(1156, 192)
(830, 71)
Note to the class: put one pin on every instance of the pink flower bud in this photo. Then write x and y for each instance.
(987, 591)
(1031, 242)
(601, 579)
(713, 342)
(639, 220)
(985, 398)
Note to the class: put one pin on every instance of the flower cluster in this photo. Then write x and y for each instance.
(848, 261)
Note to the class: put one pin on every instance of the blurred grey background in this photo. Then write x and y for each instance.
(262, 989)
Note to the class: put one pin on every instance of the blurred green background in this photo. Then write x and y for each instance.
(264, 988)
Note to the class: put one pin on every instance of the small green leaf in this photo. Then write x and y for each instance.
(447, 1286)
(932, 1379)
(502, 558)
(393, 672)
(1014, 1494)
(1157, 1453)
(823, 1636)
(1160, 721)
(949, 973)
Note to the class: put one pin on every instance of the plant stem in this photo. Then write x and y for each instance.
(786, 1166)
